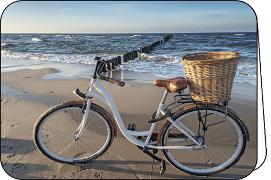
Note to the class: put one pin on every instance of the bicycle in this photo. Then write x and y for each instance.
(197, 138)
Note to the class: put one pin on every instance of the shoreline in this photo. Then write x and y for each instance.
(26, 94)
(64, 71)
(68, 71)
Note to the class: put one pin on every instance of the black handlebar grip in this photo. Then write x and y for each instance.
(117, 82)
(114, 81)
(121, 83)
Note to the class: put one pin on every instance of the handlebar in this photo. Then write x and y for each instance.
(100, 65)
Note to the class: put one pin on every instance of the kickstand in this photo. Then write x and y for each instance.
(154, 157)
(151, 168)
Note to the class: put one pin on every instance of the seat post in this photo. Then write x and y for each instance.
(164, 97)
(156, 115)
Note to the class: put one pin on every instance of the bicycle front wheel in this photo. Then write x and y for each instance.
(223, 136)
(55, 131)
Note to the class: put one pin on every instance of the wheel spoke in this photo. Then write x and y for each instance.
(223, 140)
(66, 147)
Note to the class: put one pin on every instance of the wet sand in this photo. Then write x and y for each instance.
(25, 96)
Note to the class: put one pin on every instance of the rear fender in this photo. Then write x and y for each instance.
(217, 107)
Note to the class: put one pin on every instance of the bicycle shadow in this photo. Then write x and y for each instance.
(22, 170)
(10, 147)
(243, 168)
(16, 146)
(114, 166)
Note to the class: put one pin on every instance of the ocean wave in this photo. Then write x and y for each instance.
(9, 45)
(162, 61)
(36, 40)
(164, 58)
(63, 58)
(251, 40)
(154, 68)
(19, 55)
(136, 35)
(246, 71)
(68, 37)
(64, 36)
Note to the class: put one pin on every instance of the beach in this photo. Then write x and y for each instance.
(39, 71)
(26, 93)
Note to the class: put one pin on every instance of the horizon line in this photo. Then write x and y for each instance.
(127, 32)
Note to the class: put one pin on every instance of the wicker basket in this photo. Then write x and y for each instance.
(210, 75)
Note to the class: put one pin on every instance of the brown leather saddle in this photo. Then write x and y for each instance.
(172, 85)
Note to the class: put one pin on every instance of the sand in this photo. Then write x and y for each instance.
(25, 96)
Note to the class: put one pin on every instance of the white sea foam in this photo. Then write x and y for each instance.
(67, 37)
(246, 71)
(136, 35)
(64, 58)
(64, 36)
(163, 61)
(36, 40)
(159, 65)
(164, 58)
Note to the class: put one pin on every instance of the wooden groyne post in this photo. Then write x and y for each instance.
(116, 61)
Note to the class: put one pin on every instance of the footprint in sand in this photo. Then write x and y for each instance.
(3, 148)
(53, 176)
(97, 175)
(3, 100)
(7, 148)
(19, 169)
(10, 156)
(93, 173)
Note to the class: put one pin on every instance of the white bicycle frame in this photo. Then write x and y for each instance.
(96, 90)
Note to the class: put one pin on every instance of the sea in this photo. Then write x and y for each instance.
(79, 50)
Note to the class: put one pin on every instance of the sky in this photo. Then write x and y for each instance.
(127, 17)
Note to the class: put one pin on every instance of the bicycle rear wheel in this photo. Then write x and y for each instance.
(55, 131)
(224, 138)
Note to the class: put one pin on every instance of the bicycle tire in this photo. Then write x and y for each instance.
(94, 107)
(219, 109)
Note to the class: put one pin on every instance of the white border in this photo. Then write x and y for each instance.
(3, 5)
(262, 8)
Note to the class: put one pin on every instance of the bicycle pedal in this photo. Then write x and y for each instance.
(154, 137)
(155, 151)
(163, 167)
(131, 127)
